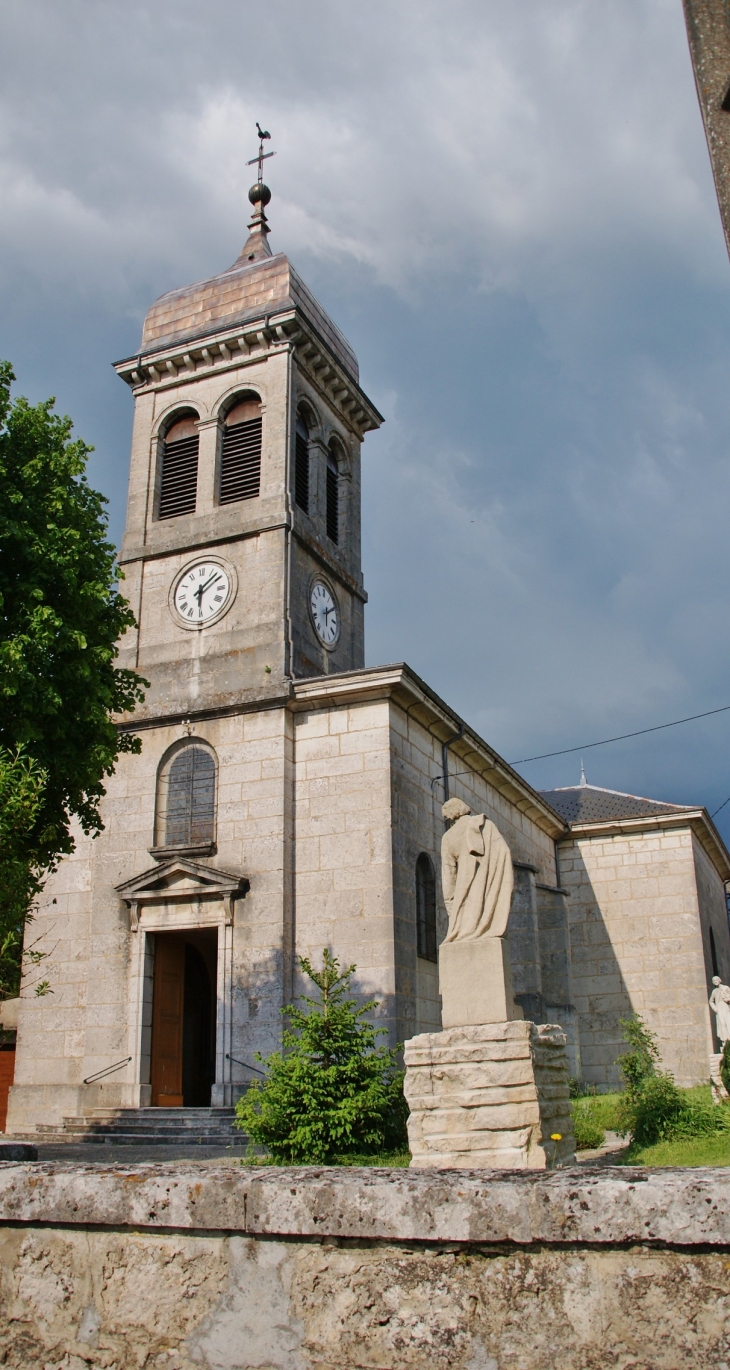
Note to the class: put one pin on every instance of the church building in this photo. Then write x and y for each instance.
(287, 797)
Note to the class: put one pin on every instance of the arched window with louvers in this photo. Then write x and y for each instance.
(240, 452)
(301, 463)
(186, 798)
(426, 943)
(179, 466)
(333, 494)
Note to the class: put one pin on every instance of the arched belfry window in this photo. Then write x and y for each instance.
(186, 797)
(426, 908)
(240, 466)
(301, 463)
(179, 474)
(333, 496)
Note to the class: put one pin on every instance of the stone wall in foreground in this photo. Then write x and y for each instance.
(306, 1269)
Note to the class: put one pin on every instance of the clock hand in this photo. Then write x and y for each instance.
(210, 581)
(202, 589)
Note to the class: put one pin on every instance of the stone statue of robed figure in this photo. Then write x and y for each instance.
(490, 1089)
(476, 875)
(475, 977)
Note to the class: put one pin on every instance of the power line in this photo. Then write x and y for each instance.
(722, 806)
(622, 738)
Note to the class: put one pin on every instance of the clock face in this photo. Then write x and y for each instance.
(202, 593)
(325, 614)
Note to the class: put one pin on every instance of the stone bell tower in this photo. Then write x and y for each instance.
(241, 558)
(242, 546)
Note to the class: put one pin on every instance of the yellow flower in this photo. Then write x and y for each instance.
(556, 1136)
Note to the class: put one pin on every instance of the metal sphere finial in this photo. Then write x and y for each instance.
(259, 194)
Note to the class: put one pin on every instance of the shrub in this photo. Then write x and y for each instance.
(577, 1089)
(331, 1092)
(639, 1063)
(653, 1108)
(648, 1113)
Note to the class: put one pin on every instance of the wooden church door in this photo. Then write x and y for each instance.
(168, 1002)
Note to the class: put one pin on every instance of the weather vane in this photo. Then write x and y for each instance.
(263, 135)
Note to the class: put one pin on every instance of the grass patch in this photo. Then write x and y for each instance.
(594, 1113)
(593, 1116)
(687, 1151)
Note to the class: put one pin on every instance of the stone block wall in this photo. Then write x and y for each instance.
(636, 947)
(342, 850)
(225, 1268)
(714, 928)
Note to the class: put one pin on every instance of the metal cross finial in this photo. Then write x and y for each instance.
(263, 135)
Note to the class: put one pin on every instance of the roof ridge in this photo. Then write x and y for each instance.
(621, 794)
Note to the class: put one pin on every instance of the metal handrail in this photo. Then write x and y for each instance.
(245, 1064)
(107, 1070)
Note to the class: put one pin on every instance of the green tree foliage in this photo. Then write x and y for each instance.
(22, 782)
(60, 617)
(331, 1092)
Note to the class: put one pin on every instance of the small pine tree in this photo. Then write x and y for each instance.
(331, 1092)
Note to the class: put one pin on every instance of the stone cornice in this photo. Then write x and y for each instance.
(400, 683)
(250, 342)
(183, 543)
(697, 819)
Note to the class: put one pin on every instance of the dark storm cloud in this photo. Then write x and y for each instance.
(509, 211)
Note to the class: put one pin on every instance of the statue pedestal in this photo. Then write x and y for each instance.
(475, 982)
(489, 1095)
(719, 1092)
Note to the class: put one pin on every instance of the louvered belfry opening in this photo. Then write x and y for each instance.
(189, 798)
(240, 466)
(426, 909)
(333, 498)
(179, 477)
(301, 464)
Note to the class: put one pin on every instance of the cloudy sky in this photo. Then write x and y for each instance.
(509, 211)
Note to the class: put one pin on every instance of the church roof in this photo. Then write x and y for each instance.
(591, 804)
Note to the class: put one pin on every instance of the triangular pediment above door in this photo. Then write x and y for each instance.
(181, 879)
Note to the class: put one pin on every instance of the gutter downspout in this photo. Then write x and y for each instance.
(445, 758)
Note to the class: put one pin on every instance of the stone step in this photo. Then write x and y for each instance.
(148, 1139)
(148, 1127)
(179, 1125)
(177, 1114)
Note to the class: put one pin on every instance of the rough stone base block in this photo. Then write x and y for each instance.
(494, 1095)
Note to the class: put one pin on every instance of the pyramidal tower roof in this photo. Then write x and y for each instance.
(258, 301)
(257, 283)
